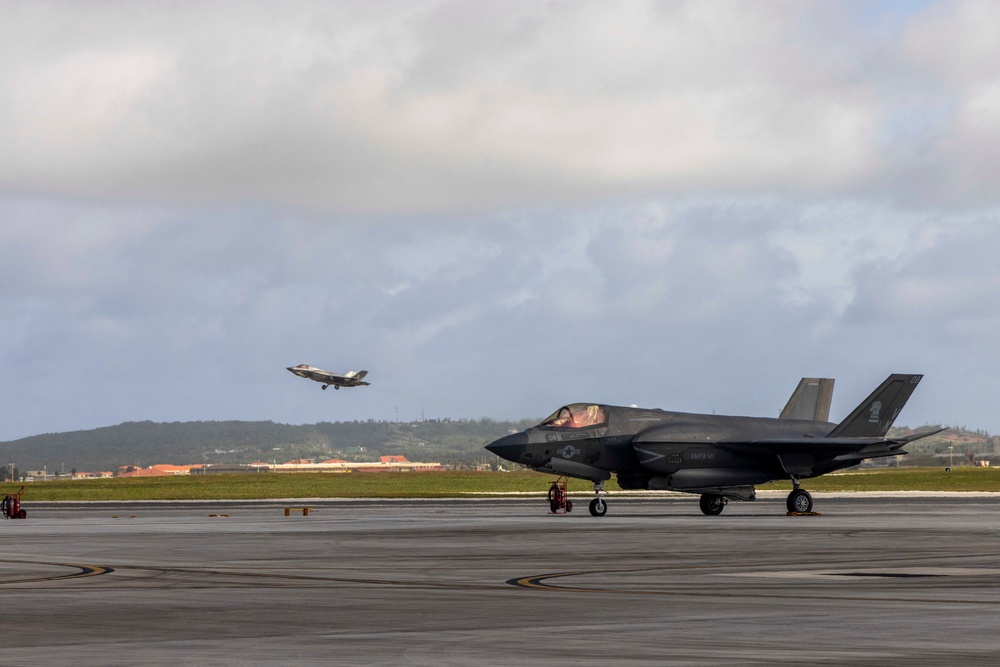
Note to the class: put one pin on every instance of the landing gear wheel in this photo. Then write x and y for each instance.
(598, 507)
(324, 387)
(711, 504)
(799, 501)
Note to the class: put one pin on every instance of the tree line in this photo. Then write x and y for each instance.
(141, 444)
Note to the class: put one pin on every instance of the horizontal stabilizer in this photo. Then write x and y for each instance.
(917, 436)
(877, 412)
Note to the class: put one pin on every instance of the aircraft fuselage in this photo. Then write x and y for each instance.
(640, 444)
(719, 457)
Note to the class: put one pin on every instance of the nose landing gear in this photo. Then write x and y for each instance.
(598, 507)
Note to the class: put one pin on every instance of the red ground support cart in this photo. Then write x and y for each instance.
(559, 497)
(11, 506)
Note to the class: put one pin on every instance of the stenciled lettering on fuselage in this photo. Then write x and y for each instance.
(556, 437)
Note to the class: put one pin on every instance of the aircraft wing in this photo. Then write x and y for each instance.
(792, 444)
(821, 445)
(799, 456)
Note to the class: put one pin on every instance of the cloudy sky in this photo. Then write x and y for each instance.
(496, 208)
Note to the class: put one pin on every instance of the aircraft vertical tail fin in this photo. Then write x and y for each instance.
(877, 412)
(810, 400)
(360, 375)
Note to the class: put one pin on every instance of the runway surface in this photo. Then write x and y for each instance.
(879, 581)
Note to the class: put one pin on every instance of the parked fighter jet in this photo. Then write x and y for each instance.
(721, 458)
(349, 379)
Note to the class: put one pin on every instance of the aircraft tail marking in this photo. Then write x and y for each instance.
(357, 375)
(877, 412)
(810, 400)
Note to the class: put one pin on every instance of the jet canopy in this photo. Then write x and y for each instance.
(577, 415)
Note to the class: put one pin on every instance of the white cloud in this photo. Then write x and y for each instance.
(440, 106)
(654, 303)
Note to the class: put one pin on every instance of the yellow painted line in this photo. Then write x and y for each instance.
(83, 571)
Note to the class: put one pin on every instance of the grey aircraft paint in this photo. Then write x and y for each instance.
(326, 378)
(718, 457)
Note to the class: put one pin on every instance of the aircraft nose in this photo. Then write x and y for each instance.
(510, 447)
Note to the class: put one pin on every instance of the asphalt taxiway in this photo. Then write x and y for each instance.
(872, 580)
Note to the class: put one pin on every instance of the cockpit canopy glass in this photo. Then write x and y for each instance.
(577, 415)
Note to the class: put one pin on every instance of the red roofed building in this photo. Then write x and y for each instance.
(145, 472)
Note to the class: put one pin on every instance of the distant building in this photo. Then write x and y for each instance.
(93, 475)
(392, 463)
(229, 468)
(171, 469)
(158, 470)
(389, 463)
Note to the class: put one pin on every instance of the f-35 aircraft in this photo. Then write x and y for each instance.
(719, 457)
(349, 379)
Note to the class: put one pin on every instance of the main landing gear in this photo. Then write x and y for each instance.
(712, 504)
(597, 506)
(799, 501)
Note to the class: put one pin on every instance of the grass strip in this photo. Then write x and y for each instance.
(265, 486)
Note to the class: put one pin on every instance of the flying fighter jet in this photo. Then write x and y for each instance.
(721, 458)
(349, 379)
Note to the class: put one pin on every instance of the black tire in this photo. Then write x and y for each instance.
(712, 504)
(598, 507)
(553, 506)
(799, 501)
(569, 505)
(21, 514)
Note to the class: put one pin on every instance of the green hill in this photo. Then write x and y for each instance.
(147, 443)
